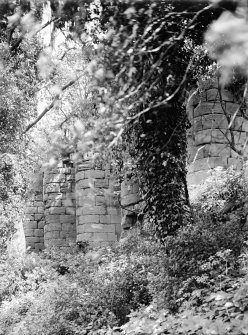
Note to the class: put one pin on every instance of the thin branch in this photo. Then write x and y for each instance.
(48, 108)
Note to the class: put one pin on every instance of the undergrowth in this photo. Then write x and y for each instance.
(195, 283)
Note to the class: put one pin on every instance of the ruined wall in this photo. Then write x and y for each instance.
(34, 222)
(60, 207)
(210, 112)
(98, 211)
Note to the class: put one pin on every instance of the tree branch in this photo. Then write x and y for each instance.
(48, 108)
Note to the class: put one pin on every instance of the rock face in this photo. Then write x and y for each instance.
(216, 137)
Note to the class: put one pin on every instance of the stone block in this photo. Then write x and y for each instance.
(70, 211)
(28, 232)
(86, 201)
(115, 219)
(38, 217)
(101, 183)
(215, 95)
(68, 203)
(65, 187)
(113, 211)
(31, 240)
(208, 108)
(41, 224)
(70, 177)
(100, 200)
(126, 188)
(90, 228)
(245, 126)
(52, 234)
(53, 226)
(39, 203)
(38, 232)
(69, 195)
(55, 196)
(66, 218)
(39, 197)
(58, 242)
(111, 237)
(197, 124)
(68, 227)
(79, 176)
(214, 121)
(99, 237)
(40, 210)
(57, 210)
(130, 199)
(94, 174)
(105, 219)
(31, 210)
(88, 219)
(29, 217)
(231, 108)
(217, 150)
(59, 178)
(219, 136)
(84, 237)
(92, 210)
(53, 203)
(52, 218)
(66, 234)
(235, 162)
(85, 183)
(52, 188)
(86, 165)
(32, 225)
(202, 137)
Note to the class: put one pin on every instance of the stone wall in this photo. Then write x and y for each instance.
(60, 207)
(34, 222)
(98, 211)
(210, 111)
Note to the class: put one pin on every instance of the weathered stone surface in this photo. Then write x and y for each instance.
(67, 218)
(101, 183)
(31, 210)
(53, 188)
(53, 226)
(31, 240)
(80, 175)
(91, 210)
(207, 108)
(100, 200)
(115, 219)
(85, 183)
(214, 121)
(38, 232)
(202, 137)
(68, 227)
(99, 237)
(32, 224)
(105, 218)
(84, 237)
(41, 224)
(130, 199)
(88, 219)
(57, 210)
(52, 218)
(29, 232)
(95, 174)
